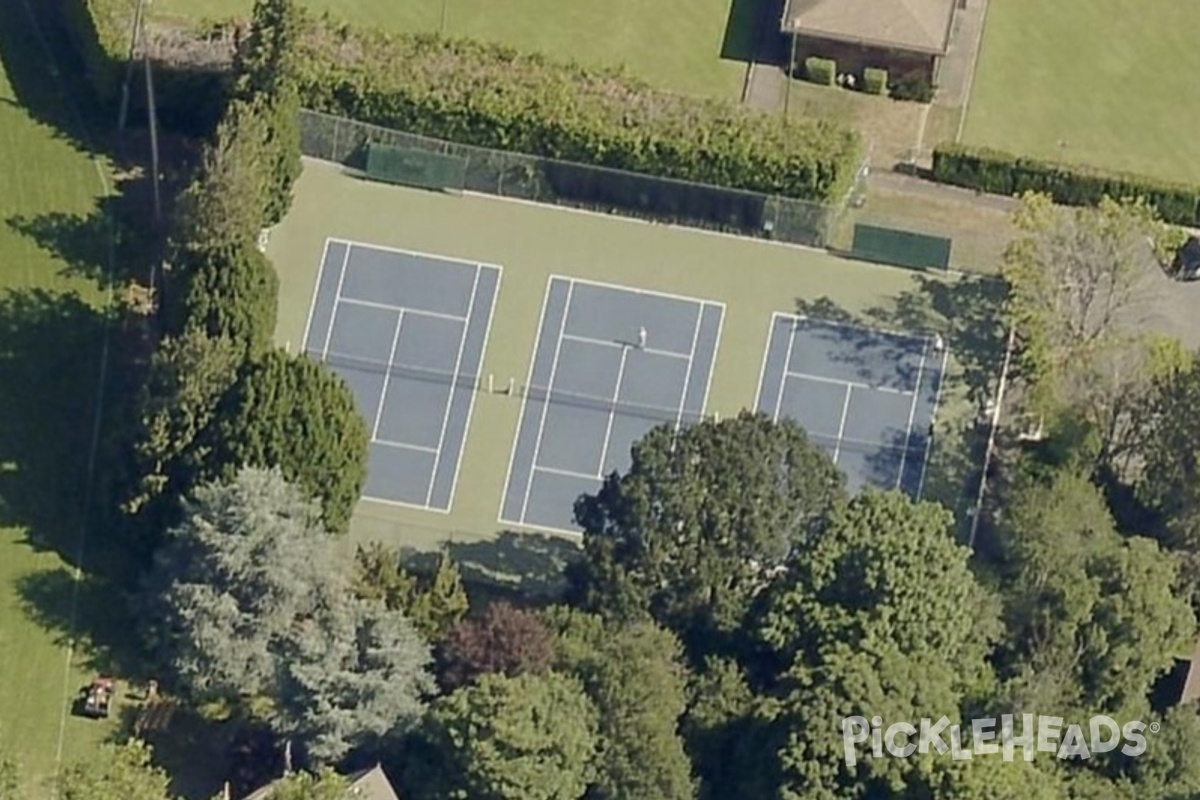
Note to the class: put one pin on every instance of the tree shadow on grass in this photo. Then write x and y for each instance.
(513, 566)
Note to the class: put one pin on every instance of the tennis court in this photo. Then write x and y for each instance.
(867, 397)
(407, 332)
(610, 363)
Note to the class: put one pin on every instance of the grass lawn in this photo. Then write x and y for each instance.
(50, 338)
(532, 242)
(889, 128)
(687, 45)
(1115, 80)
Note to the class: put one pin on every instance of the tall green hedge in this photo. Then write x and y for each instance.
(999, 172)
(488, 95)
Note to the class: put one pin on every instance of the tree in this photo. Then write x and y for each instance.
(1093, 617)
(702, 519)
(248, 608)
(230, 291)
(188, 376)
(993, 778)
(123, 772)
(289, 412)
(325, 785)
(1169, 769)
(634, 674)
(505, 640)
(434, 602)
(529, 737)
(880, 613)
(1072, 276)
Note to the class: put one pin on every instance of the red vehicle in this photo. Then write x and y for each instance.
(98, 700)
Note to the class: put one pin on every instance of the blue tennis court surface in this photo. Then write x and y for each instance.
(610, 364)
(867, 397)
(407, 332)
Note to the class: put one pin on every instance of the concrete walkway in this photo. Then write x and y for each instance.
(958, 67)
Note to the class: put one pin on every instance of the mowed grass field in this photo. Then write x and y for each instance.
(50, 340)
(1113, 81)
(689, 46)
(531, 243)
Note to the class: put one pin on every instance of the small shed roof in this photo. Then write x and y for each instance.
(916, 25)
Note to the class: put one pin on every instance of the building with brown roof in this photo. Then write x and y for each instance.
(905, 37)
(369, 784)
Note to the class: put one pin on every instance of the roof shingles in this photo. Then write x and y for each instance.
(920, 25)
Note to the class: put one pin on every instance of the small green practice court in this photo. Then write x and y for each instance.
(1111, 83)
(592, 329)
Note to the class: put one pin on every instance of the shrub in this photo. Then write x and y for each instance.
(483, 94)
(913, 86)
(875, 81)
(820, 70)
(1070, 184)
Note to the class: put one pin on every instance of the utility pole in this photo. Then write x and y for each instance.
(135, 35)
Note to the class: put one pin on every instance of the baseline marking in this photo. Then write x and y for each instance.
(912, 413)
(839, 382)
(537, 446)
(712, 359)
(837, 448)
(388, 307)
(420, 448)
(462, 343)
(612, 412)
(566, 473)
(387, 376)
(629, 289)
(337, 298)
(687, 379)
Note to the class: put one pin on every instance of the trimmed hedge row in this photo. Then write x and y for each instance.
(492, 96)
(998, 172)
(875, 81)
(820, 70)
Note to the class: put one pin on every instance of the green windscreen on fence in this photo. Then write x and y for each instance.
(420, 168)
(902, 248)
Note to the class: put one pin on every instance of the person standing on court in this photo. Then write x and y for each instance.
(642, 338)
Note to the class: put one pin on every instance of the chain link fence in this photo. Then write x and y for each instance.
(545, 180)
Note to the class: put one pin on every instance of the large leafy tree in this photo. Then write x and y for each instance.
(123, 772)
(700, 522)
(1094, 618)
(634, 674)
(1073, 274)
(247, 606)
(288, 412)
(505, 640)
(880, 615)
(528, 737)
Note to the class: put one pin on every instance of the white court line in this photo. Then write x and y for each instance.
(512, 456)
(762, 371)
(402, 503)
(537, 446)
(837, 448)
(478, 372)
(571, 337)
(912, 412)
(337, 298)
(712, 363)
(383, 248)
(840, 382)
(312, 306)
(860, 326)
(352, 301)
(687, 378)
(937, 400)
(420, 448)
(633, 290)
(387, 375)
(612, 412)
(566, 473)
(462, 343)
(787, 359)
